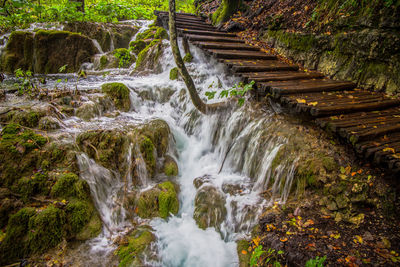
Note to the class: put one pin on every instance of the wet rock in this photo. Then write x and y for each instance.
(137, 248)
(170, 166)
(88, 110)
(119, 93)
(47, 51)
(210, 210)
(159, 201)
(137, 46)
(148, 58)
(49, 123)
(159, 133)
(153, 32)
(342, 201)
(358, 219)
(331, 205)
(243, 253)
(199, 181)
(106, 34)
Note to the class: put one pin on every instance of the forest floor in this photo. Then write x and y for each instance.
(304, 228)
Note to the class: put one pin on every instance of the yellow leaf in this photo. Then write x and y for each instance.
(256, 241)
(336, 236)
(63, 201)
(359, 239)
(389, 149)
(313, 104)
(301, 101)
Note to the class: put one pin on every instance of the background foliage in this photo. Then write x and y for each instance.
(20, 13)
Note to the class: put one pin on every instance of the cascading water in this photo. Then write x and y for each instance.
(234, 150)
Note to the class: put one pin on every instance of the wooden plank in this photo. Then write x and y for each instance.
(281, 76)
(226, 46)
(354, 107)
(305, 86)
(239, 54)
(194, 26)
(193, 38)
(368, 134)
(206, 33)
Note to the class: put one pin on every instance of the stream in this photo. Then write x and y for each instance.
(231, 152)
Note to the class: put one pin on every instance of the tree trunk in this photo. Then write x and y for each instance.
(226, 9)
(198, 103)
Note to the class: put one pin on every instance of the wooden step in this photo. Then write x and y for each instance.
(206, 33)
(194, 26)
(193, 38)
(225, 46)
(280, 76)
(239, 54)
(305, 86)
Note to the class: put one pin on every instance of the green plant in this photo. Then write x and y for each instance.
(260, 257)
(317, 262)
(238, 90)
(27, 84)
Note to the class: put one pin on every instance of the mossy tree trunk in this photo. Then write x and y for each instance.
(225, 11)
(197, 101)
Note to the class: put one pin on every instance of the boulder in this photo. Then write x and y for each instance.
(148, 58)
(106, 34)
(119, 93)
(210, 210)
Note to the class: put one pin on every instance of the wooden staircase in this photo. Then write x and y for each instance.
(370, 121)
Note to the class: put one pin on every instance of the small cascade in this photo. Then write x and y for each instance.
(140, 170)
(97, 45)
(105, 187)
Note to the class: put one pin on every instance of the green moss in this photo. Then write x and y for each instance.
(119, 93)
(18, 52)
(167, 200)
(297, 41)
(173, 74)
(170, 167)
(226, 9)
(69, 185)
(31, 186)
(137, 46)
(188, 58)
(158, 131)
(78, 214)
(147, 206)
(14, 245)
(244, 258)
(329, 163)
(46, 229)
(91, 229)
(148, 151)
(138, 242)
(161, 33)
(145, 54)
(125, 59)
(103, 61)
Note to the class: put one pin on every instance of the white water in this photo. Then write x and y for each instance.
(231, 148)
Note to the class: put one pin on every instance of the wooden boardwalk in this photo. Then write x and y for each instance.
(370, 121)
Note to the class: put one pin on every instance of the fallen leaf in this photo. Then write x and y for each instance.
(283, 239)
(244, 252)
(389, 149)
(301, 101)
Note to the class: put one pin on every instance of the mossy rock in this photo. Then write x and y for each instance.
(244, 258)
(188, 58)
(124, 57)
(14, 245)
(149, 153)
(119, 93)
(69, 185)
(138, 243)
(153, 32)
(159, 201)
(19, 153)
(91, 229)
(46, 229)
(148, 58)
(170, 166)
(210, 210)
(18, 52)
(137, 46)
(54, 49)
(107, 147)
(88, 110)
(159, 133)
(30, 186)
(174, 74)
(29, 118)
(48, 123)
